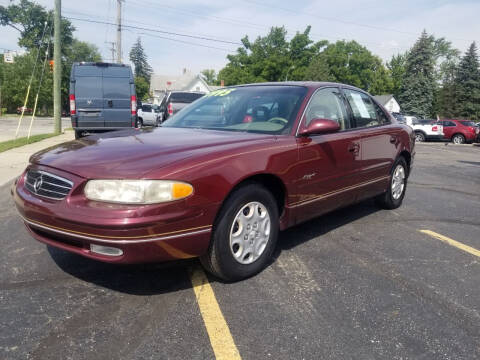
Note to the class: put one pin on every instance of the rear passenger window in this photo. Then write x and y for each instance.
(116, 88)
(184, 97)
(147, 108)
(365, 112)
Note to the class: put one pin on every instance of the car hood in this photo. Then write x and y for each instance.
(134, 153)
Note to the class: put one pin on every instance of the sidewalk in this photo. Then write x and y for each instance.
(14, 161)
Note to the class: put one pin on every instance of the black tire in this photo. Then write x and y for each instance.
(219, 259)
(78, 134)
(139, 123)
(387, 200)
(458, 139)
(419, 136)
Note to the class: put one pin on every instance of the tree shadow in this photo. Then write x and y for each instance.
(159, 278)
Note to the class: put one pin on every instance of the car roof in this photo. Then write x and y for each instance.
(308, 84)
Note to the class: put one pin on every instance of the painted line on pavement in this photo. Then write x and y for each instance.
(452, 242)
(220, 337)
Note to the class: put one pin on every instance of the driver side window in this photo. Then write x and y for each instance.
(327, 104)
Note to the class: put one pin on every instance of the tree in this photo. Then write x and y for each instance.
(318, 70)
(28, 18)
(418, 87)
(468, 84)
(16, 78)
(210, 76)
(396, 66)
(139, 60)
(271, 58)
(83, 51)
(142, 88)
(351, 63)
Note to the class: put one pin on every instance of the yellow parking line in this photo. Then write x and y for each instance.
(452, 242)
(220, 337)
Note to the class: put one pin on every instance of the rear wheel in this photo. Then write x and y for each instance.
(78, 134)
(395, 193)
(458, 139)
(419, 136)
(244, 234)
(139, 123)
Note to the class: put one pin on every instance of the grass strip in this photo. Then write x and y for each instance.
(11, 144)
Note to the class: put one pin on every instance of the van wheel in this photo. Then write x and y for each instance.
(244, 235)
(393, 197)
(78, 134)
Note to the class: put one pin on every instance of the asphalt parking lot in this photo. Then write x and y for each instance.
(359, 283)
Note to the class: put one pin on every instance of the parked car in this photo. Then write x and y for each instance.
(218, 180)
(26, 111)
(174, 101)
(102, 97)
(148, 114)
(425, 129)
(459, 131)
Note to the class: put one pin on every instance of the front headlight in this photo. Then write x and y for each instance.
(137, 191)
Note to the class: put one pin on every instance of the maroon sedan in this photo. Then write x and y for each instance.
(219, 179)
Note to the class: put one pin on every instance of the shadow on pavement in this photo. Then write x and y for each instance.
(151, 279)
(140, 279)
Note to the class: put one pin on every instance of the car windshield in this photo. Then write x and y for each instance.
(259, 109)
(467, 123)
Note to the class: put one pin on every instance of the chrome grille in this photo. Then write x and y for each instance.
(47, 185)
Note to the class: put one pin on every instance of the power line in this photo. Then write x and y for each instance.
(156, 30)
(346, 22)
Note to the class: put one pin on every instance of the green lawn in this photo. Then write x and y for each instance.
(10, 144)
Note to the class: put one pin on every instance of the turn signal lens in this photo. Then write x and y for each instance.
(137, 191)
(181, 190)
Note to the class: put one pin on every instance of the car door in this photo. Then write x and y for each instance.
(88, 90)
(380, 141)
(328, 163)
(449, 128)
(116, 94)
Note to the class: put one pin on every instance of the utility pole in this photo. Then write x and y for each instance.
(119, 31)
(57, 68)
(112, 49)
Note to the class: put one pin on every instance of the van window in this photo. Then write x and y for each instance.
(116, 88)
(184, 97)
(88, 87)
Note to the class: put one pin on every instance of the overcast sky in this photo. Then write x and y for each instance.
(385, 27)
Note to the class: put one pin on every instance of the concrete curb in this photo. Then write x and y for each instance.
(14, 161)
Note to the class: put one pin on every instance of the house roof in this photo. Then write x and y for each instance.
(182, 82)
(383, 99)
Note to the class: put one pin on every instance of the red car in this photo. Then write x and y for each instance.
(219, 179)
(459, 131)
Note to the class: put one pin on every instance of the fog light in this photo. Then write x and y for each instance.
(105, 250)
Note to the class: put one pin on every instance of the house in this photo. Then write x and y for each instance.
(389, 102)
(160, 84)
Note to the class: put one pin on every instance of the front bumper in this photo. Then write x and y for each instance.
(149, 233)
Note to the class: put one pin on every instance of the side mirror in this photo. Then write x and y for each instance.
(320, 126)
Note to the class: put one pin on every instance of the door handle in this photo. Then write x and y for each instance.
(353, 148)
(110, 103)
(393, 139)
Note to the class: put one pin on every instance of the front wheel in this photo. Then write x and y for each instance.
(78, 134)
(244, 234)
(395, 193)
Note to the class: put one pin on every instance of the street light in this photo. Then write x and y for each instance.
(290, 68)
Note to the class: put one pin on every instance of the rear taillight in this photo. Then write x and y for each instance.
(170, 109)
(73, 110)
(133, 104)
(434, 128)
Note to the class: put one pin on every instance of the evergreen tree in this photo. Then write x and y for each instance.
(396, 66)
(418, 86)
(468, 85)
(139, 60)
